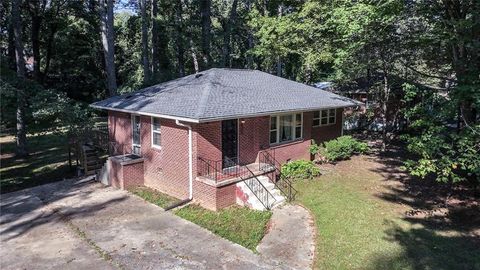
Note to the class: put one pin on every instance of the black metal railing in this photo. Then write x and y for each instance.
(255, 185)
(219, 170)
(268, 162)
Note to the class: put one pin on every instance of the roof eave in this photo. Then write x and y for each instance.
(172, 117)
(211, 119)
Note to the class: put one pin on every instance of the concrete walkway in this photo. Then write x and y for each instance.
(83, 225)
(291, 237)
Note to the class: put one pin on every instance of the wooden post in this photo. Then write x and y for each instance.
(70, 156)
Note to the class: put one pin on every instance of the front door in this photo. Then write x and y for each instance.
(229, 143)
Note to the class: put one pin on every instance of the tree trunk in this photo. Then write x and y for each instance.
(108, 37)
(386, 95)
(194, 56)
(155, 41)
(249, 39)
(48, 55)
(205, 11)
(34, 10)
(179, 38)
(279, 58)
(227, 32)
(145, 60)
(20, 61)
(11, 46)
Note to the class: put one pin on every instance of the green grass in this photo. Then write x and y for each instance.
(357, 229)
(237, 224)
(47, 162)
(153, 196)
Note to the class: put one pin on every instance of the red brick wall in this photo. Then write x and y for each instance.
(126, 176)
(253, 137)
(120, 132)
(166, 169)
(214, 198)
(132, 175)
(326, 133)
(209, 140)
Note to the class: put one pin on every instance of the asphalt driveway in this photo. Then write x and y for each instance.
(83, 225)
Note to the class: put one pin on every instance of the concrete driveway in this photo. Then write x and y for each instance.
(83, 225)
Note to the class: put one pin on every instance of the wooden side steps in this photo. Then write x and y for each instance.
(90, 159)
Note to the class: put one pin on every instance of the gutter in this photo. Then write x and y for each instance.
(190, 158)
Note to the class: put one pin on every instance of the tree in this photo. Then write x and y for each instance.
(179, 37)
(36, 10)
(145, 58)
(21, 126)
(227, 25)
(108, 39)
(155, 40)
(205, 11)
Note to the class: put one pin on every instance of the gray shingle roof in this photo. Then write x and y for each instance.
(224, 93)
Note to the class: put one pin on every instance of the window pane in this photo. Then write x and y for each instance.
(331, 120)
(298, 119)
(156, 139)
(316, 114)
(273, 122)
(332, 112)
(324, 113)
(273, 136)
(286, 128)
(136, 129)
(316, 122)
(324, 121)
(298, 132)
(156, 124)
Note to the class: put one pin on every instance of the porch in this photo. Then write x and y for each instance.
(220, 173)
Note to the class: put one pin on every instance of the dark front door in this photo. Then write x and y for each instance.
(229, 142)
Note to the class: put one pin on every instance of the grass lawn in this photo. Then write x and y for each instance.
(47, 162)
(359, 228)
(153, 196)
(237, 224)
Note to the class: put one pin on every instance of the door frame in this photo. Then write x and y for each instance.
(238, 140)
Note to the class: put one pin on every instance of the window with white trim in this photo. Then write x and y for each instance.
(286, 127)
(324, 117)
(156, 132)
(136, 143)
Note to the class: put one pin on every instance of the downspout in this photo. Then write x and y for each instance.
(190, 158)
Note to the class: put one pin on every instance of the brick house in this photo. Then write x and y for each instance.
(218, 136)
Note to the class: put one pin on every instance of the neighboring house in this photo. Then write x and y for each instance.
(215, 135)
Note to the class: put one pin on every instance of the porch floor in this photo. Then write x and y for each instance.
(231, 175)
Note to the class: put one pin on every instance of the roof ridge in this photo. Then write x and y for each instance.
(202, 103)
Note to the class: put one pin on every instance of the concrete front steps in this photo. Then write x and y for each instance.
(246, 197)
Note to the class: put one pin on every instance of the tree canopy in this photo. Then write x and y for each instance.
(419, 58)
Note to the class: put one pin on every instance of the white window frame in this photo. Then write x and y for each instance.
(133, 130)
(277, 130)
(153, 131)
(320, 117)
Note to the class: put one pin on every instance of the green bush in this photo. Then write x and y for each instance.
(300, 169)
(342, 148)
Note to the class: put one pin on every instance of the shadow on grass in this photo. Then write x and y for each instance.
(424, 248)
(444, 231)
(47, 162)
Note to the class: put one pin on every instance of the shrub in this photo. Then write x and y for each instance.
(300, 169)
(342, 148)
